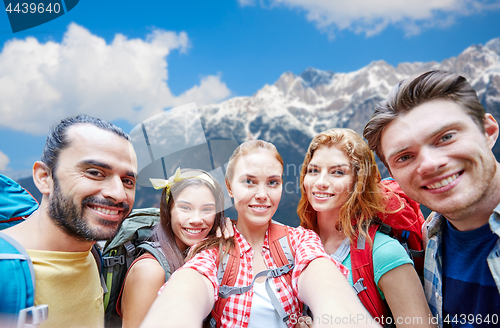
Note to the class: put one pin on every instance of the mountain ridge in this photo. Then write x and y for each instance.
(290, 111)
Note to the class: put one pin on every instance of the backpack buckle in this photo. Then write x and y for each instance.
(226, 291)
(33, 316)
(359, 286)
(281, 270)
(213, 323)
(223, 290)
(112, 261)
(130, 248)
(405, 235)
(385, 229)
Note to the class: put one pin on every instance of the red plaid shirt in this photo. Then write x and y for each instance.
(307, 247)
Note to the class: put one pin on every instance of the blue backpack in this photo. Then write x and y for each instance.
(17, 287)
(15, 203)
(17, 275)
(17, 281)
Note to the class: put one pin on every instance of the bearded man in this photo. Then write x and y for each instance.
(87, 177)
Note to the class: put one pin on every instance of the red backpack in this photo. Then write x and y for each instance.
(405, 224)
(227, 272)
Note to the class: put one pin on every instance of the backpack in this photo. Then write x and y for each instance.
(17, 287)
(17, 281)
(131, 241)
(16, 203)
(228, 267)
(406, 226)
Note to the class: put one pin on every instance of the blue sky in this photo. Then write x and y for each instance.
(125, 61)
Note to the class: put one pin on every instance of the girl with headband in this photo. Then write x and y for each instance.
(254, 180)
(341, 196)
(191, 208)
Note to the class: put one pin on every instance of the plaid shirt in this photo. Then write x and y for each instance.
(307, 247)
(433, 266)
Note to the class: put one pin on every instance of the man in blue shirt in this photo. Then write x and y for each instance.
(436, 140)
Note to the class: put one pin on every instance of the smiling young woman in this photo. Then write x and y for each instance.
(341, 197)
(191, 209)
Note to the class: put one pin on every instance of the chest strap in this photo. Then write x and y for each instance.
(226, 291)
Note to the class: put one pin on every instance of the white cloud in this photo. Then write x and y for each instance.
(371, 17)
(4, 161)
(125, 79)
(210, 88)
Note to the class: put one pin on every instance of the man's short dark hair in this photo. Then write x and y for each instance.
(57, 138)
(415, 91)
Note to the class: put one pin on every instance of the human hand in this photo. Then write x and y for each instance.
(304, 322)
(228, 232)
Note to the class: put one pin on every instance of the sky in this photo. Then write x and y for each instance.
(126, 61)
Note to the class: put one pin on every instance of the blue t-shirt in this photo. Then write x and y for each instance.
(470, 295)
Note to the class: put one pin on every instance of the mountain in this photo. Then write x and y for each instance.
(316, 100)
(291, 111)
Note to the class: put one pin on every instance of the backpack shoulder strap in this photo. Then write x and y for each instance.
(284, 257)
(159, 256)
(280, 247)
(282, 254)
(17, 290)
(279, 244)
(363, 274)
(227, 272)
(96, 252)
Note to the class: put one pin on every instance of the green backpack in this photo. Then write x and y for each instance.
(129, 243)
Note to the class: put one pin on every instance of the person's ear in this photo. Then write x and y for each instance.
(229, 191)
(490, 129)
(42, 177)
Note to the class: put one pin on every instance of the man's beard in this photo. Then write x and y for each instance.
(69, 217)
